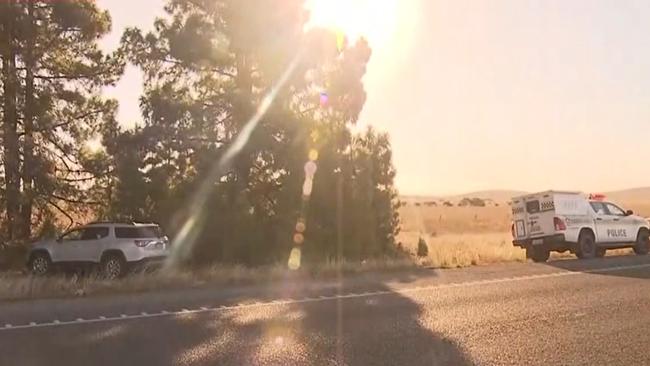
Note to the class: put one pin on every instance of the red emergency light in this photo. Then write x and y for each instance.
(597, 197)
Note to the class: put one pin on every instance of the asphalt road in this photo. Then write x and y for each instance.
(568, 312)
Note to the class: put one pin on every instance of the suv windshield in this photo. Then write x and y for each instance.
(138, 232)
(598, 207)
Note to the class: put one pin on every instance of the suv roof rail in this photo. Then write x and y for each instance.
(125, 222)
(120, 222)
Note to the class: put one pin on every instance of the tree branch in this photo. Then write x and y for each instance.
(72, 119)
(71, 77)
(64, 213)
(224, 73)
(71, 200)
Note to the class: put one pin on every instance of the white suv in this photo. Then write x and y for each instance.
(115, 247)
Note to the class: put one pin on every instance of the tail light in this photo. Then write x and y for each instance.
(559, 224)
(512, 229)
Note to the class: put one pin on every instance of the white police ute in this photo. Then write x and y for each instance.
(585, 225)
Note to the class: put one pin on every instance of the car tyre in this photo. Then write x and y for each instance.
(642, 243)
(586, 246)
(40, 264)
(113, 266)
(538, 254)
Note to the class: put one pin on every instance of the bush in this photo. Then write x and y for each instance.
(12, 256)
(423, 249)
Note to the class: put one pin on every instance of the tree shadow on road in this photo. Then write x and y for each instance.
(384, 328)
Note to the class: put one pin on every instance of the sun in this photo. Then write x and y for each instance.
(375, 20)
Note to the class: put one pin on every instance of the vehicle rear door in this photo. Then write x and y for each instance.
(90, 246)
(539, 216)
(519, 219)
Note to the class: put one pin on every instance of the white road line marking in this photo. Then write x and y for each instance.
(321, 298)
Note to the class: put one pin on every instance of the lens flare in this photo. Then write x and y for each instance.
(294, 259)
(307, 188)
(298, 238)
(300, 226)
(310, 169)
(315, 136)
(324, 99)
(313, 154)
(340, 40)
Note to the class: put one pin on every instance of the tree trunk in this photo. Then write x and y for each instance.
(28, 149)
(10, 124)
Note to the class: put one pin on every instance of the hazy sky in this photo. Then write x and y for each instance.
(476, 95)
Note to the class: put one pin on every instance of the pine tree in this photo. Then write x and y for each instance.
(208, 67)
(52, 75)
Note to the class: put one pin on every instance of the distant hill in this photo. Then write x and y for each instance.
(497, 195)
(634, 195)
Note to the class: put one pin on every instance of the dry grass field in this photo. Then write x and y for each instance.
(464, 236)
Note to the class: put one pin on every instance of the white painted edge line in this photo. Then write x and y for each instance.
(322, 298)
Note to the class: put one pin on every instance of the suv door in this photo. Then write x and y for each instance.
(624, 225)
(68, 246)
(602, 222)
(90, 246)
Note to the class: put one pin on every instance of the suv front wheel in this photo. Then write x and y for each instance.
(642, 243)
(40, 264)
(113, 266)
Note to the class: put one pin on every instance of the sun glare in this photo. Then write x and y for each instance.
(94, 145)
(375, 20)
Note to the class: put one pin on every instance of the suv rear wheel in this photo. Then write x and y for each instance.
(538, 254)
(586, 246)
(40, 264)
(113, 266)
(642, 243)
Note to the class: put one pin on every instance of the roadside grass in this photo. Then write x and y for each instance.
(17, 286)
(455, 236)
(462, 250)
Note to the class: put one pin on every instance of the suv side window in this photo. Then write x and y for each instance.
(76, 234)
(138, 232)
(598, 207)
(94, 233)
(614, 210)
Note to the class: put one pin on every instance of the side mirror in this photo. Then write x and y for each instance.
(629, 213)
